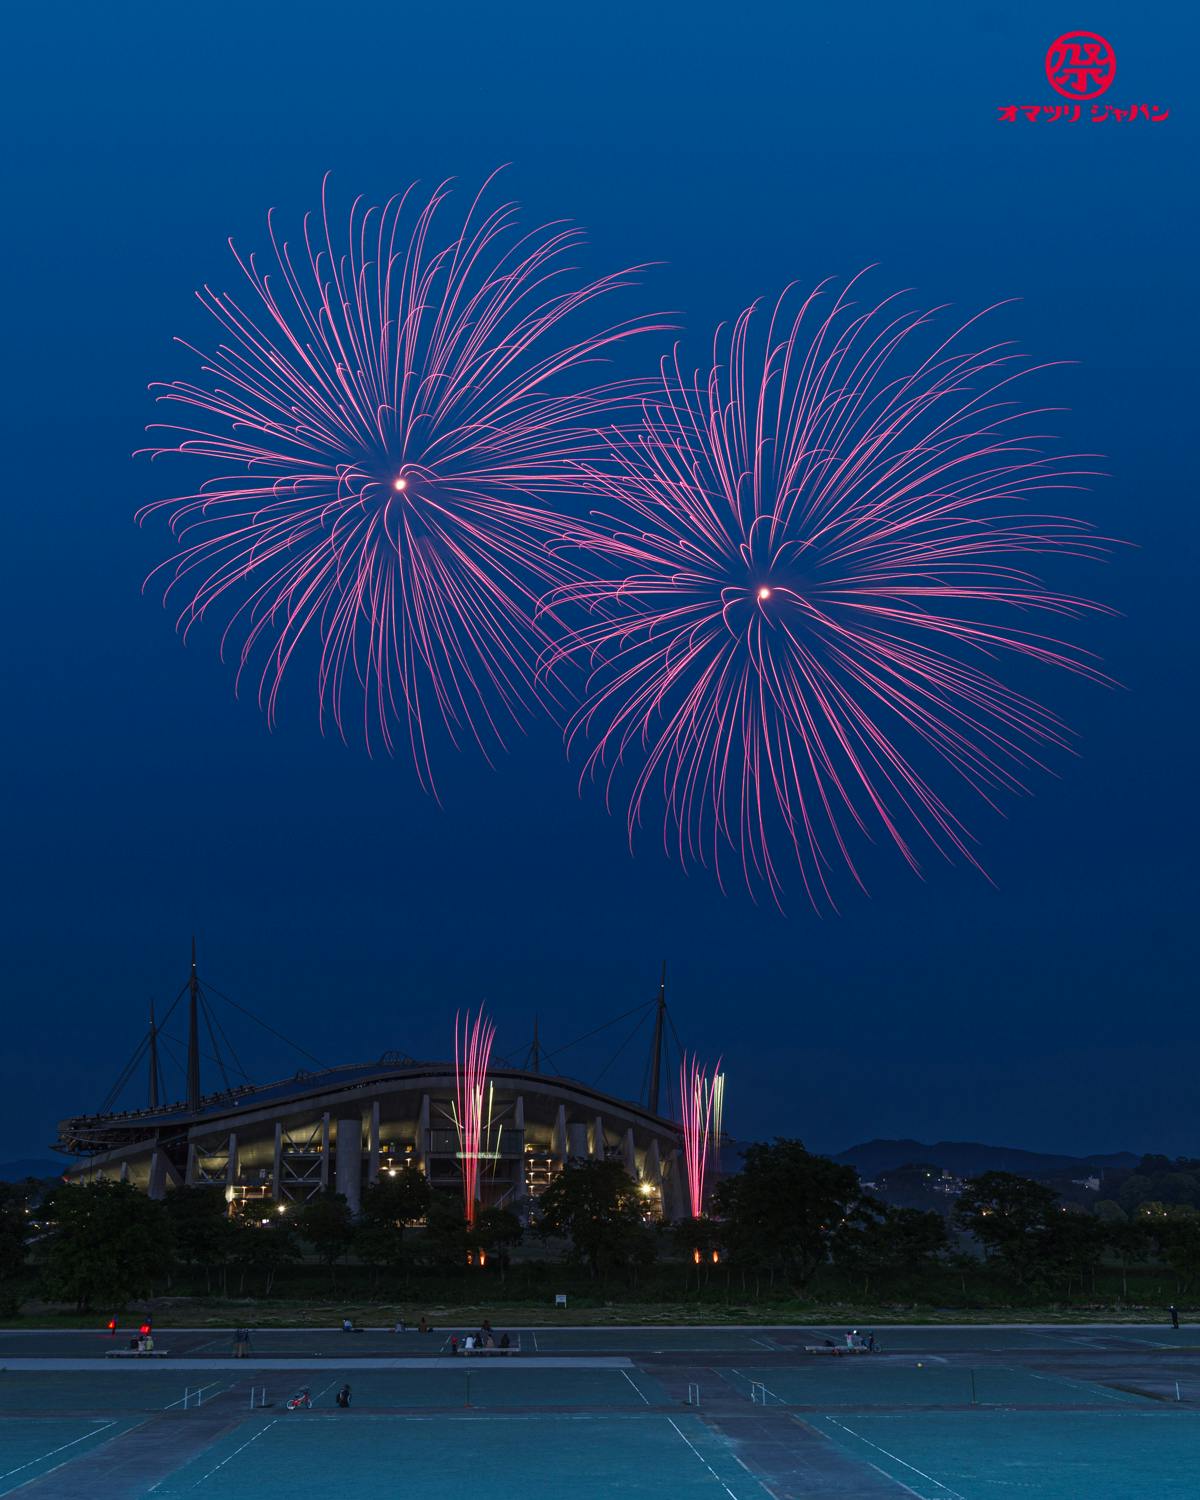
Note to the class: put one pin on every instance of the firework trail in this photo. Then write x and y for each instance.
(472, 1054)
(817, 554)
(703, 1107)
(390, 407)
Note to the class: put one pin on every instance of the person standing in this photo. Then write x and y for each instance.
(1174, 1312)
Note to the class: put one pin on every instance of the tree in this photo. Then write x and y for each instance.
(1178, 1236)
(326, 1223)
(1129, 1242)
(388, 1207)
(14, 1226)
(495, 1231)
(879, 1240)
(595, 1205)
(263, 1248)
(1010, 1217)
(784, 1207)
(1073, 1243)
(201, 1230)
(105, 1241)
(446, 1230)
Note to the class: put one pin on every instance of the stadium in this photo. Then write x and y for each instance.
(271, 1147)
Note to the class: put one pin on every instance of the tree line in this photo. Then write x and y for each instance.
(785, 1219)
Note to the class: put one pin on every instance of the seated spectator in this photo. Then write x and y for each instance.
(469, 1343)
(504, 1341)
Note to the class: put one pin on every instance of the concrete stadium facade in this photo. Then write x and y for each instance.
(272, 1147)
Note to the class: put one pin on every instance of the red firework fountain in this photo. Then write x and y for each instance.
(703, 1102)
(472, 1053)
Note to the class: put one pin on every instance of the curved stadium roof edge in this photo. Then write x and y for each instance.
(350, 1076)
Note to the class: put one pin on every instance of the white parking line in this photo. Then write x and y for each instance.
(235, 1453)
(705, 1462)
(895, 1457)
(636, 1387)
(41, 1458)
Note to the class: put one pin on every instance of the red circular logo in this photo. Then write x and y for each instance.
(1080, 64)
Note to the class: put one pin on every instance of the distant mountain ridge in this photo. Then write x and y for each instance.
(970, 1158)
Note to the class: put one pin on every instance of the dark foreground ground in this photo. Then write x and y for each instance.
(1102, 1412)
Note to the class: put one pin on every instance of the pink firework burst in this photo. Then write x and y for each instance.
(818, 554)
(391, 407)
(472, 1054)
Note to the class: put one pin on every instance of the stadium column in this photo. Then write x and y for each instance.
(674, 1205)
(277, 1165)
(520, 1187)
(423, 1135)
(596, 1144)
(191, 1164)
(325, 1152)
(231, 1170)
(629, 1154)
(558, 1142)
(156, 1187)
(349, 1162)
(652, 1166)
(373, 1144)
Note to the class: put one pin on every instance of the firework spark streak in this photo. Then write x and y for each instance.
(472, 1053)
(391, 406)
(703, 1106)
(809, 565)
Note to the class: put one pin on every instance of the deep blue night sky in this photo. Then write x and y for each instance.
(741, 147)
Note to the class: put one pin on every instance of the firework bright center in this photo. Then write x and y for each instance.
(764, 593)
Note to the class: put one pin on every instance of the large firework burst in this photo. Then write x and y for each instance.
(391, 407)
(816, 555)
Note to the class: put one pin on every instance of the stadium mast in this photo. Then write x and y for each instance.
(153, 1060)
(657, 1045)
(193, 1055)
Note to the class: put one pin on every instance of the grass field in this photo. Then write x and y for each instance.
(202, 1312)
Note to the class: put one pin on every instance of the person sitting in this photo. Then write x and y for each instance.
(454, 1343)
(423, 1326)
(148, 1344)
(469, 1344)
(504, 1341)
(401, 1327)
(347, 1325)
(489, 1342)
(343, 1397)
